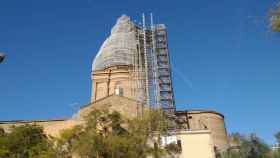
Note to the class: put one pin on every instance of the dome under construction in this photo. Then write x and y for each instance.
(119, 48)
(143, 50)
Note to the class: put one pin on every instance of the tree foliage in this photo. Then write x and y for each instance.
(275, 19)
(110, 135)
(104, 135)
(25, 142)
(250, 147)
(276, 153)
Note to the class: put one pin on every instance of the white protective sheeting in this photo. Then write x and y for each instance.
(119, 48)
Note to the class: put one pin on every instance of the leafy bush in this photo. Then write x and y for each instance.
(28, 141)
(250, 147)
(109, 135)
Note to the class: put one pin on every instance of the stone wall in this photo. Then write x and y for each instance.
(105, 82)
(127, 107)
(207, 120)
(196, 144)
(51, 127)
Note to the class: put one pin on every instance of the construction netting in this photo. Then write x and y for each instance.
(119, 48)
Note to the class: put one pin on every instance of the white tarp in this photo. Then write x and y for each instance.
(119, 48)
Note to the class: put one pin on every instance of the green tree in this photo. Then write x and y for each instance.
(276, 153)
(275, 19)
(110, 135)
(27, 141)
(250, 147)
(232, 154)
(3, 141)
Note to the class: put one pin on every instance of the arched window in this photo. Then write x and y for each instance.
(118, 89)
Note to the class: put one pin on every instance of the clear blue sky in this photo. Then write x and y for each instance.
(223, 55)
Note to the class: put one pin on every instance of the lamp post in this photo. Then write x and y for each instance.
(2, 57)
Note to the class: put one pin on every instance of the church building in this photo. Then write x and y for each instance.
(131, 72)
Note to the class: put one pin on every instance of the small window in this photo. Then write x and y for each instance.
(118, 89)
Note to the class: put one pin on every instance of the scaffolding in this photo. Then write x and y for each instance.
(158, 80)
(164, 70)
(144, 48)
